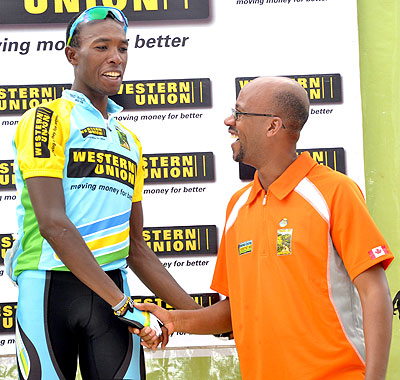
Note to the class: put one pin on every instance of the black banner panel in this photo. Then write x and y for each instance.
(61, 11)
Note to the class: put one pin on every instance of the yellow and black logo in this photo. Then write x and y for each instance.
(321, 88)
(203, 299)
(6, 242)
(178, 167)
(185, 241)
(169, 93)
(7, 317)
(102, 164)
(61, 11)
(7, 175)
(41, 131)
(332, 157)
(18, 99)
(95, 131)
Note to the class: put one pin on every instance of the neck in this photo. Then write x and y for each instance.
(99, 101)
(271, 171)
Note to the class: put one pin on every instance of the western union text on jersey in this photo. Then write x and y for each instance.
(107, 164)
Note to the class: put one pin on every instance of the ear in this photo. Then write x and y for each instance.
(72, 55)
(273, 126)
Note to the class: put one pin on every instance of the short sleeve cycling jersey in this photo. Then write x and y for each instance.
(101, 166)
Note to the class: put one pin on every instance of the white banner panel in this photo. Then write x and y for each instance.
(187, 60)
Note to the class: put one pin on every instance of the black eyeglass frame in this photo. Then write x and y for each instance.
(235, 114)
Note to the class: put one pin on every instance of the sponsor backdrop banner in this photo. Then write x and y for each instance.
(188, 59)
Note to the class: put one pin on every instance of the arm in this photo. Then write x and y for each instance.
(144, 262)
(47, 197)
(377, 319)
(214, 319)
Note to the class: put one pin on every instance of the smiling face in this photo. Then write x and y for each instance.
(249, 131)
(100, 59)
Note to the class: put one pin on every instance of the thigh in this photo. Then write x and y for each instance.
(35, 350)
(107, 350)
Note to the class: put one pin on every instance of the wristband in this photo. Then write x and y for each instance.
(120, 304)
(122, 307)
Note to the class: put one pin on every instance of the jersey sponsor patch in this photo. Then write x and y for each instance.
(41, 132)
(93, 131)
(245, 247)
(378, 252)
(284, 242)
(123, 140)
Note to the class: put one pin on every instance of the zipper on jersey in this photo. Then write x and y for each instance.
(107, 123)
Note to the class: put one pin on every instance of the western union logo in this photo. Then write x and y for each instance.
(174, 93)
(93, 131)
(7, 317)
(61, 11)
(18, 99)
(101, 163)
(321, 88)
(41, 131)
(6, 242)
(332, 157)
(178, 167)
(203, 299)
(187, 240)
(7, 175)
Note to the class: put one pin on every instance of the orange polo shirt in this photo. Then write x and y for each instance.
(286, 261)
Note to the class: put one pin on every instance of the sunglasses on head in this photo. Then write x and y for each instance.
(98, 13)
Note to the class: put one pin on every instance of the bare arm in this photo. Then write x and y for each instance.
(214, 319)
(47, 197)
(143, 261)
(377, 316)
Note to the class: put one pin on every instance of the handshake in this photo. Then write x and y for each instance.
(143, 323)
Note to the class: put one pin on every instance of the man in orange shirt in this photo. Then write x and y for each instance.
(301, 262)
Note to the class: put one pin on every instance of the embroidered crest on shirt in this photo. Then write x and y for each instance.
(378, 252)
(284, 242)
(245, 247)
(123, 139)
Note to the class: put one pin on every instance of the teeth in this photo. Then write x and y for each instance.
(112, 74)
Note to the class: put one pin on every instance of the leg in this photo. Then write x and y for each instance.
(35, 355)
(107, 350)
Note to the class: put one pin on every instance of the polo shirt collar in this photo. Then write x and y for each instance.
(288, 180)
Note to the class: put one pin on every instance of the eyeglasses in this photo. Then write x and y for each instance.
(98, 13)
(236, 114)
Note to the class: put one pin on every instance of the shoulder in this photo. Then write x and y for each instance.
(58, 107)
(333, 184)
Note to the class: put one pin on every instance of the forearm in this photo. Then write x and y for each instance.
(143, 261)
(377, 316)
(215, 319)
(377, 320)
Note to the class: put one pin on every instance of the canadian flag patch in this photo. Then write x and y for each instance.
(378, 251)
